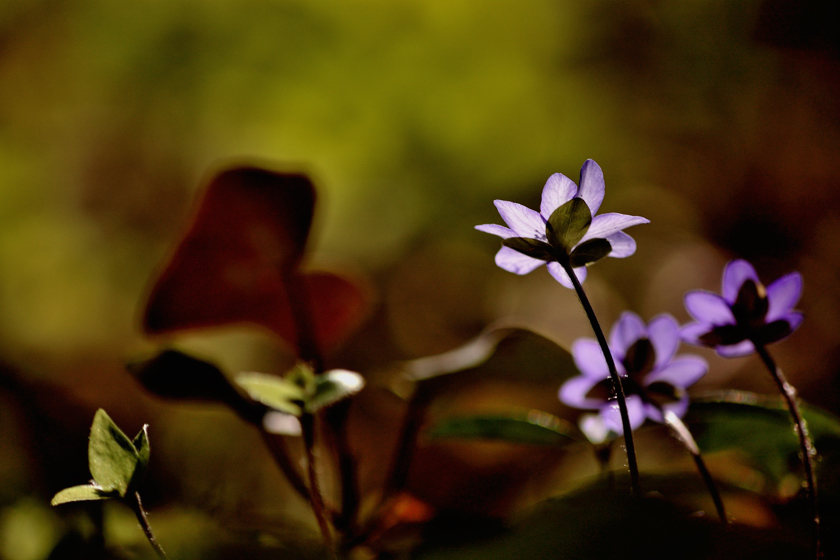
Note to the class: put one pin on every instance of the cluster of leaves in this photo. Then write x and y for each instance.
(117, 463)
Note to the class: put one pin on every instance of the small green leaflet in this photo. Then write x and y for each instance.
(568, 224)
(532, 247)
(275, 392)
(532, 427)
(116, 463)
(301, 391)
(332, 386)
(82, 493)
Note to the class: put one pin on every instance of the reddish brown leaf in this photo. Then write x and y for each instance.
(238, 263)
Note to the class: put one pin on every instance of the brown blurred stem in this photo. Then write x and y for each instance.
(307, 423)
(616, 380)
(806, 446)
(280, 452)
(336, 418)
(137, 507)
(404, 450)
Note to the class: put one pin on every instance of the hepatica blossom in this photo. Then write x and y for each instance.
(654, 379)
(565, 231)
(746, 314)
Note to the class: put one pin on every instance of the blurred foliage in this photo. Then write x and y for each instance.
(717, 120)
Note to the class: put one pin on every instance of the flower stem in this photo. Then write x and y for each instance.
(137, 507)
(806, 446)
(683, 435)
(307, 423)
(616, 380)
(279, 451)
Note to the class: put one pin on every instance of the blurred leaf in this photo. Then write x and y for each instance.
(82, 493)
(275, 392)
(238, 262)
(535, 428)
(758, 426)
(502, 353)
(332, 386)
(112, 457)
(175, 375)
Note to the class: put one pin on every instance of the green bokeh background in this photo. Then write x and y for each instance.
(717, 120)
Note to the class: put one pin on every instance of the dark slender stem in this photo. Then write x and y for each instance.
(137, 507)
(681, 432)
(400, 462)
(616, 380)
(307, 423)
(806, 446)
(711, 486)
(280, 452)
(404, 450)
(336, 418)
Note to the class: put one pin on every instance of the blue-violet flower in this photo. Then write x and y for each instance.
(746, 314)
(565, 230)
(654, 379)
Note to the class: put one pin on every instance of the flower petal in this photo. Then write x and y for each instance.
(594, 428)
(664, 334)
(573, 393)
(496, 229)
(622, 245)
(558, 190)
(592, 186)
(710, 308)
(692, 332)
(522, 220)
(794, 319)
(682, 372)
(743, 348)
(590, 359)
(560, 275)
(782, 295)
(679, 407)
(516, 262)
(635, 410)
(734, 275)
(611, 222)
(627, 330)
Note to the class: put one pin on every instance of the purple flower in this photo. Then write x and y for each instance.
(746, 314)
(565, 230)
(654, 380)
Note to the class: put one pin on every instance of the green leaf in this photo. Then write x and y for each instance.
(531, 247)
(760, 428)
(86, 492)
(534, 427)
(568, 224)
(141, 444)
(302, 376)
(275, 392)
(332, 386)
(590, 251)
(112, 457)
